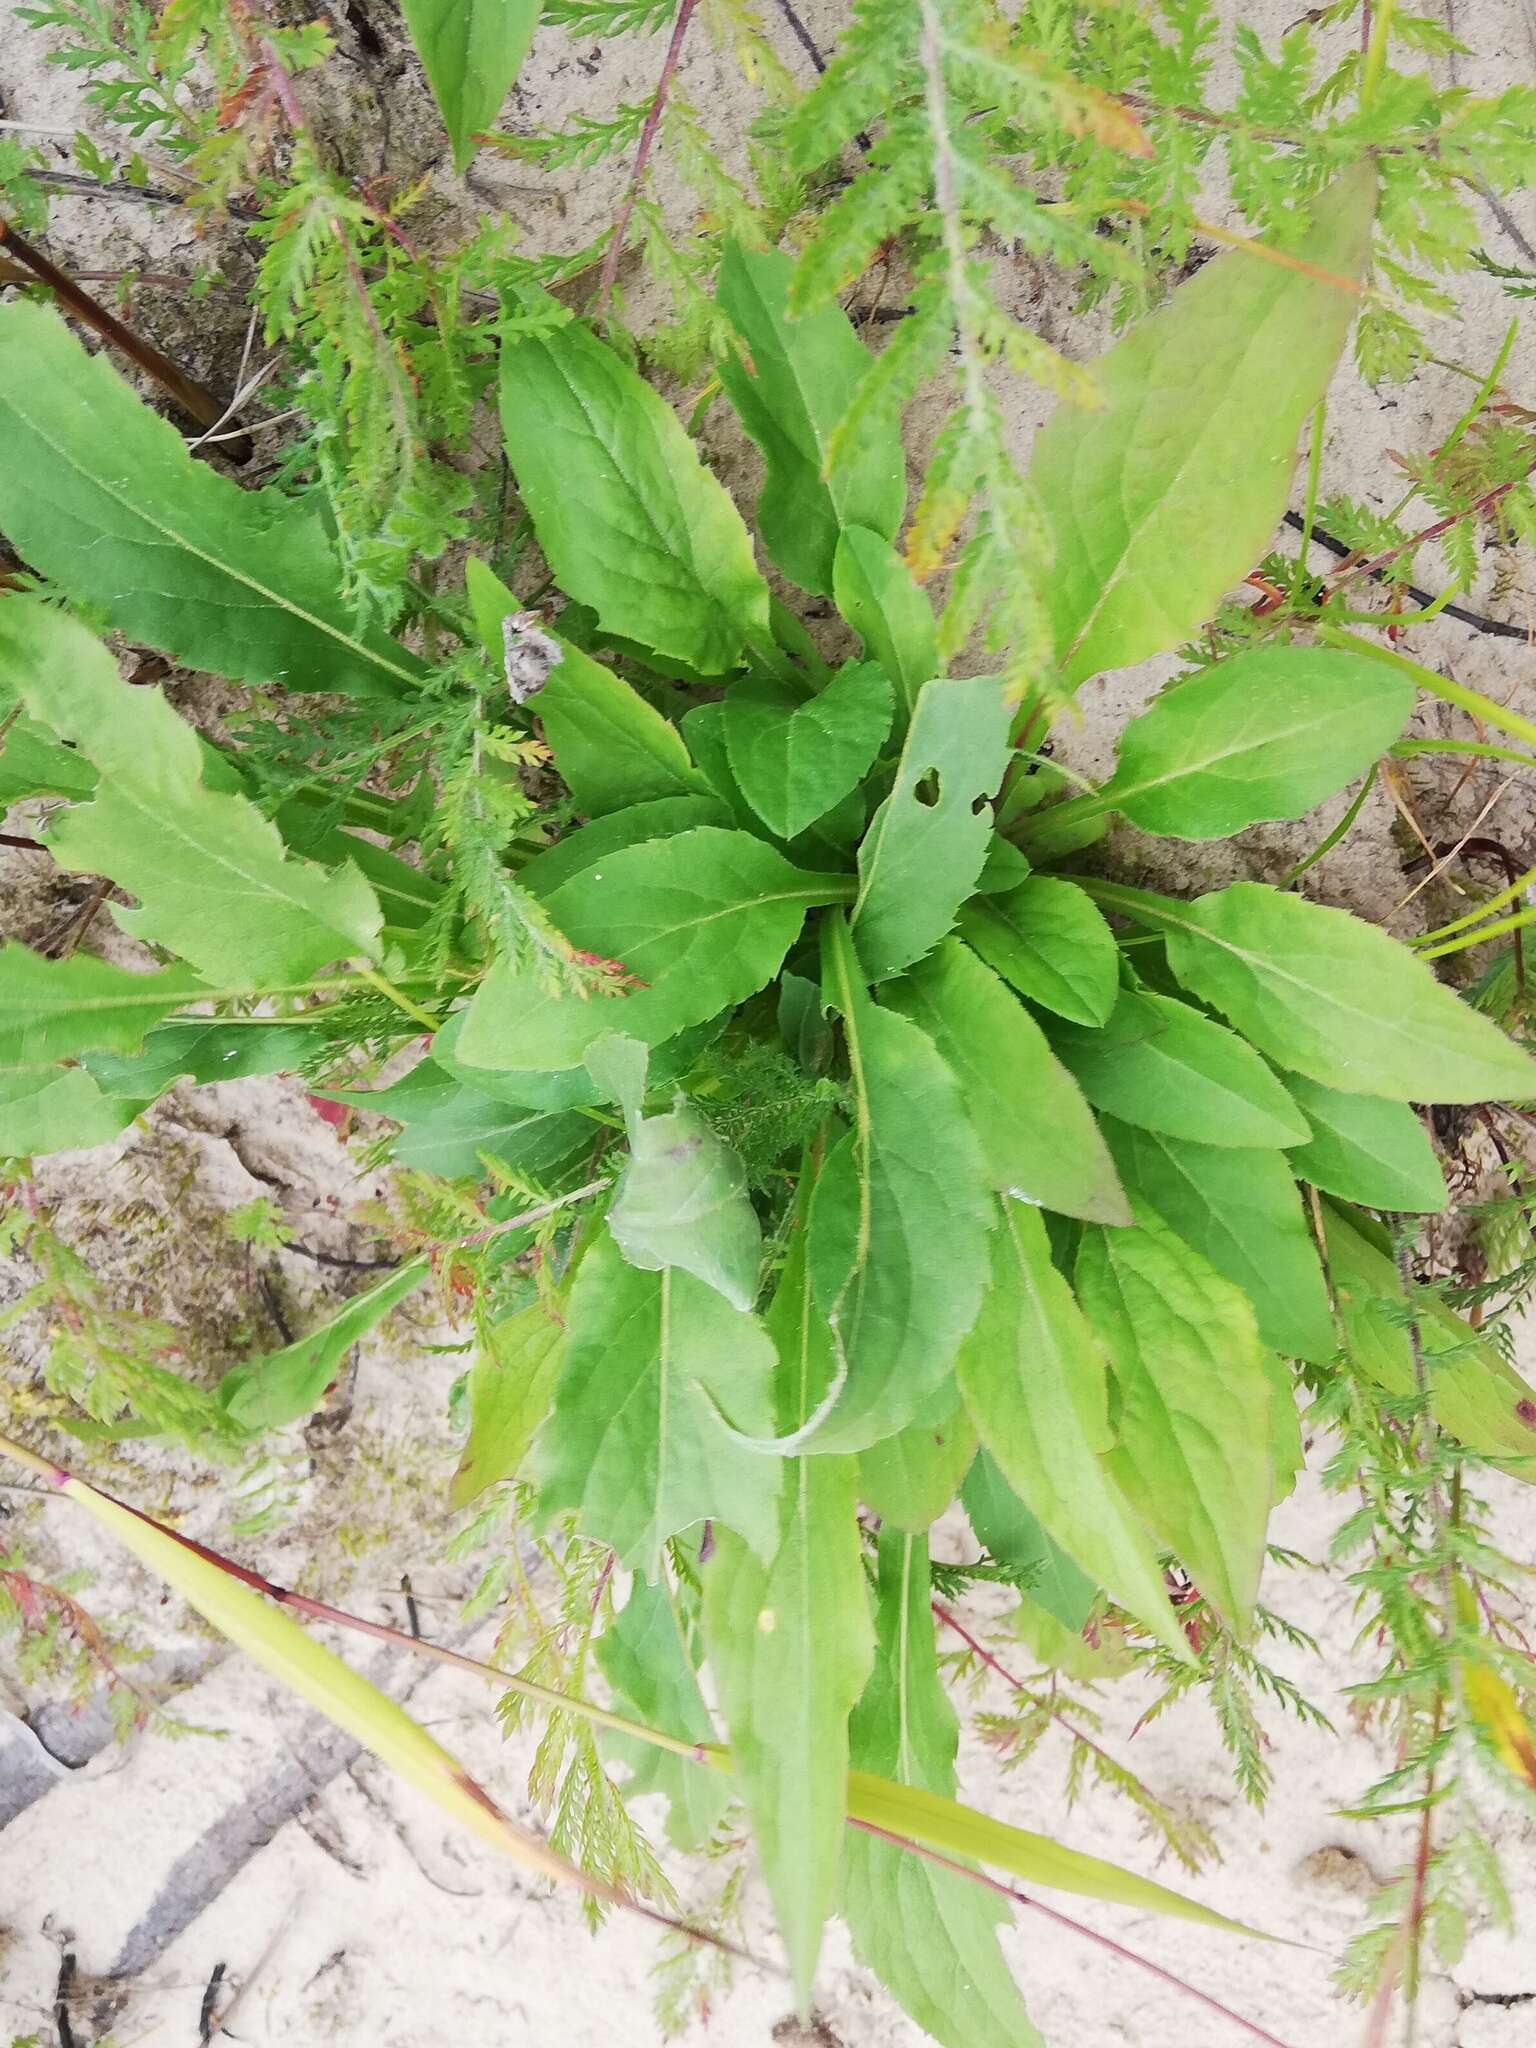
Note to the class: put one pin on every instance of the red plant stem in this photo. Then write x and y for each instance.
(1417, 540)
(615, 249)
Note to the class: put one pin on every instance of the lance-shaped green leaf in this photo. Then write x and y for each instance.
(1365, 1149)
(528, 1087)
(797, 382)
(57, 1009)
(794, 757)
(1037, 1387)
(909, 1479)
(790, 1642)
(471, 50)
(1046, 938)
(682, 1201)
(927, 842)
(446, 1126)
(630, 520)
(200, 1049)
(1337, 1000)
(1165, 495)
(1036, 1131)
(1474, 1393)
(701, 921)
(284, 1386)
(56, 1109)
(876, 594)
(1008, 1532)
(1266, 735)
(1192, 1437)
(35, 762)
(898, 1221)
(663, 817)
(1164, 1065)
(649, 1665)
(213, 878)
(636, 1443)
(927, 1932)
(511, 1385)
(1241, 1208)
(99, 493)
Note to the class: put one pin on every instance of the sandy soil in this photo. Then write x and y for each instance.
(263, 1848)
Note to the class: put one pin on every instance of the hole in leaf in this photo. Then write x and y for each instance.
(927, 790)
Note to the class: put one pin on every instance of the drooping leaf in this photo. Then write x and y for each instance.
(99, 493)
(629, 518)
(511, 1385)
(446, 1126)
(926, 844)
(794, 757)
(636, 1443)
(650, 1668)
(1337, 1000)
(1365, 1149)
(471, 50)
(56, 1109)
(1048, 939)
(56, 1009)
(1037, 1387)
(876, 594)
(927, 1932)
(1166, 495)
(898, 1220)
(1473, 1392)
(790, 1642)
(1266, 735)
(214, 881)
(1037, 1134)
(1240, 1207)
(1166, 1066)
(284, 1386)
(1008, 1532)
(796, 383)
(701, 921)
(1192, 1442)
(682, 1201)
(909, 1479)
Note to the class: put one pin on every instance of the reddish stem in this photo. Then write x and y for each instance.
(615, 249)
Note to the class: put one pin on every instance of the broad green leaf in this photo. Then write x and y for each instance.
(446, 1126)
(213, 878)
(1241, 1208)
(471, 51)
(1166, 1066)
(790, 1642)
(612, 748)
(56, 1109)
(794, 757)
(1191, 1403)
(636, 1443)
(1266, 735)
(620, 1069)
(1337, 1000)
(284, 1386)
(1008, 1532)
(704, 730)
(1365, 1149)
(316, 1674)
(701, 921)
(926, 844)
(650, 1668)
(661, 817)
(1037, 1387)
(897, 1243)
(929, 1933)
(1287, 1452)
(682, 1201)
(511, 1385)
(797, 381)
(1473, 1392)
(406, 896)
(877, 596)
(909, 1479)
(99, 494)
(630, 520)
(35, 762)
(1167, 494)
(1036, 1132)
(56, 1009)
(529, 1087)
(1048, 939)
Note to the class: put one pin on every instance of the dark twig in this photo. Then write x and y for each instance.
(139, 195)
(26, 845)
(615, 249)
(1433, 532)
(1499, 629)
(208, 2014)
(336, 1259)
(61, 1997)
(802, 35)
